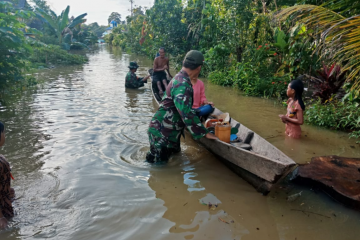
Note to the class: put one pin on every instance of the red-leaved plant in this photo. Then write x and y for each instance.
(330, 81)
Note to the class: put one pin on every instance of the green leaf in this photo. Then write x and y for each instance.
(64, 18)
(77, 20)
(6, 30)
(280, 40)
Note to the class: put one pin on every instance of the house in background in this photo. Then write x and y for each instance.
(107, 31)
(113, 24)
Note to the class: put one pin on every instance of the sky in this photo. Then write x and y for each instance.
(98, 11)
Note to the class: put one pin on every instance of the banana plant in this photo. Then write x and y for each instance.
(61, 24)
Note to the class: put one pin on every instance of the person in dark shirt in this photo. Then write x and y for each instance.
(131, 80)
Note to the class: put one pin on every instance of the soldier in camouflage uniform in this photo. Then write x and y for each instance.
(175, 113)
(131, 80)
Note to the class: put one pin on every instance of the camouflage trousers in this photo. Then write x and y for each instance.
(161, 147)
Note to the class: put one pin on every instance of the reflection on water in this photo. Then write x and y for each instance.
(77, 147)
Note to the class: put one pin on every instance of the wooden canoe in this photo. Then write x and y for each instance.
(262, 166)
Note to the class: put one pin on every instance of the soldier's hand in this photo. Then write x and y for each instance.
(210, 136)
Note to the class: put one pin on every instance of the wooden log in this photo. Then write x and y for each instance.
(337, 176)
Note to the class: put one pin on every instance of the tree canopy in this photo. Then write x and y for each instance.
(114, 16)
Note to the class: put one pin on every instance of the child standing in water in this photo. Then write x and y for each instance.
(6, 192)
(294, 116)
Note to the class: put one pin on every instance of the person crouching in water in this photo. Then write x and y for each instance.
(6, 192)
(131, 80)
(175, 112)
(294, 116)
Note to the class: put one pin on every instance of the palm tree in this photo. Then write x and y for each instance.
(61, 24)
(338, 32)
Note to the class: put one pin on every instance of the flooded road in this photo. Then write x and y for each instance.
(77, 147)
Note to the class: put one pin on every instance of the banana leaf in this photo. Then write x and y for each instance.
(79, 19)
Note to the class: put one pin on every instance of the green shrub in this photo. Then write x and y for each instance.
(53, 54)
(244, 76)
(335, 115)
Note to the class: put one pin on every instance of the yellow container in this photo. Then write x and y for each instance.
(223, 132)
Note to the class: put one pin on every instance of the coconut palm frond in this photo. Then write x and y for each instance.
(339, 36)
(343, 39)
(311, 15)
(346, 8)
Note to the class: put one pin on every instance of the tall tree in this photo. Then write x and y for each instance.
(114, 16)
(42, 4)
(166, 26)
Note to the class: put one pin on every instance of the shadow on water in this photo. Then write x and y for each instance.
(77, 147)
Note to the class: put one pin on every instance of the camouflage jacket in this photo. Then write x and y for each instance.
(132, 81)
(175, 111)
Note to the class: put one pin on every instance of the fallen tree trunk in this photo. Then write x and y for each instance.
(337, 176)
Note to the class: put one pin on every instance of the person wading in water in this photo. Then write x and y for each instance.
(175, 112)
(161, 64)
(131, 80)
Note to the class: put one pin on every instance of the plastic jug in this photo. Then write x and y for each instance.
(223, 132)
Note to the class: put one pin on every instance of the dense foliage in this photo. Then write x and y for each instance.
(35, 37)
(335, 115)
(336, 27)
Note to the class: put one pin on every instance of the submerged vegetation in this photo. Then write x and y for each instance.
(259, 46)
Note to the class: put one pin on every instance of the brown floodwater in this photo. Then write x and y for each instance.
(77, 146)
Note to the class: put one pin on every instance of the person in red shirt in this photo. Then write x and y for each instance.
(199, 94)
(295, 110)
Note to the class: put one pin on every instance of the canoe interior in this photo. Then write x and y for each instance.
(262, 166)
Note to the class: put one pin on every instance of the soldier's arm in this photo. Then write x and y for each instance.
(182, 98)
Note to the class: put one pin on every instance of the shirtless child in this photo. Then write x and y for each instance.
(161, 64)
